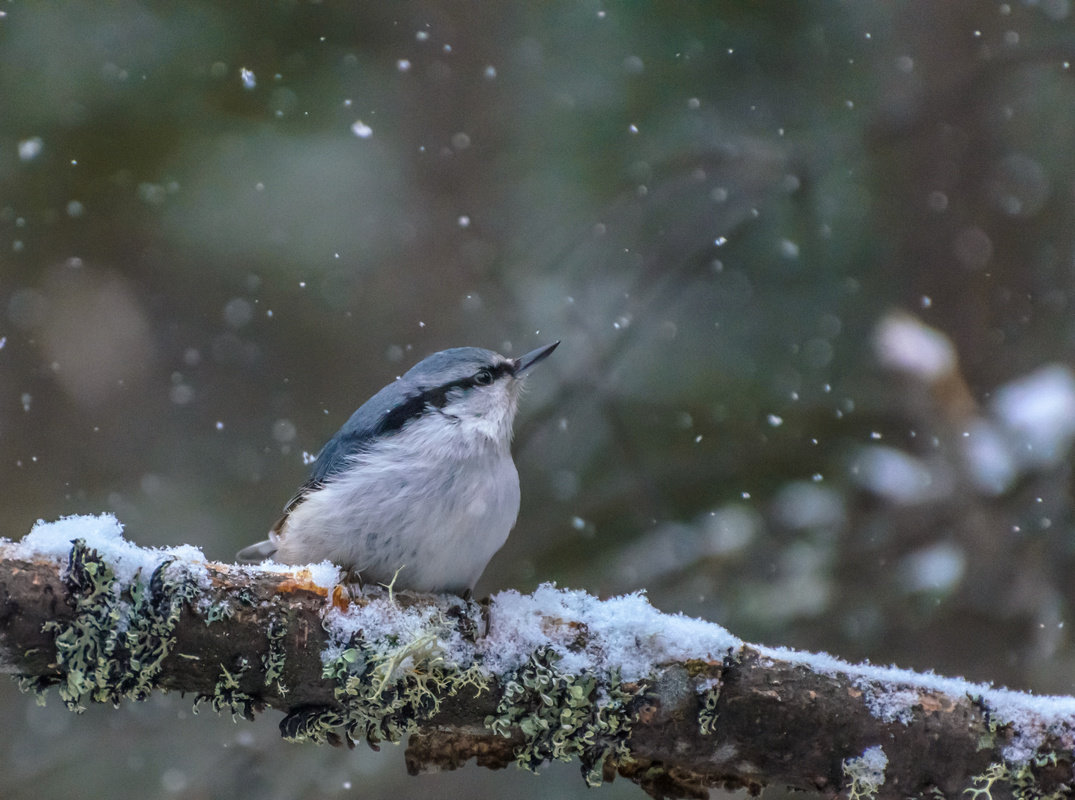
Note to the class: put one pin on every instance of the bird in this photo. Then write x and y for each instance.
(418, 489)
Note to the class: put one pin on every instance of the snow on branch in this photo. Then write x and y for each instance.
(675, 704)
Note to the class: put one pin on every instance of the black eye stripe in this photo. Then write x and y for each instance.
(437, 397)
(494, 372)
(501, 369)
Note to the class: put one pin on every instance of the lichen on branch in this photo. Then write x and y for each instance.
(674, 704)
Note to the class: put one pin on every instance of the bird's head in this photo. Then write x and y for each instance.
(473, 387)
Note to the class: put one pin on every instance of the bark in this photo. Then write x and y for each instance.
(246, 640)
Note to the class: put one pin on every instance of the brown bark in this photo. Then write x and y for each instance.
(747, 721)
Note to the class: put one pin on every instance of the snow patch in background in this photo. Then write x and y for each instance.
(1031, 426)
(904, 344)
(987, 454)
(936, 568)
(719, 533)
(801, 505)
(899, 477)
(1039, 411)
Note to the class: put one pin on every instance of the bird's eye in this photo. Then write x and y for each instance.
(483, 377)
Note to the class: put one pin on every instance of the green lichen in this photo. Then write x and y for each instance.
(385, 689)
(707, 713)
(114, 646)
(1023, 781)
(698, 668)
(1027, 784)
(563, 716)
(993, 724)
(983, 784)
(32, 684)
(218, 612)
(389, 687)
(272, 663)
(865, 773)
(227, 693)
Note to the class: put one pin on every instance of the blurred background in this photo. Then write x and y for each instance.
(812, 265)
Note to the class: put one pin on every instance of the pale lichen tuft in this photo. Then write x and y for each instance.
(563, 716)
(865, 773)
(114, 646)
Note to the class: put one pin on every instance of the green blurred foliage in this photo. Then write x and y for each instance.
(713, 205)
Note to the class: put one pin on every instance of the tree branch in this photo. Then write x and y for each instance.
(675, 705)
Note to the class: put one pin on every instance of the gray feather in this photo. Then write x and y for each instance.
(256, 552)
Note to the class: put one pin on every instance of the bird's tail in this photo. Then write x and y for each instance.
(256, 552)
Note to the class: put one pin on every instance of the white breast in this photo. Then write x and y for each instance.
(433, 503)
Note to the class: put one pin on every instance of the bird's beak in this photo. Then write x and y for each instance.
(534, 356)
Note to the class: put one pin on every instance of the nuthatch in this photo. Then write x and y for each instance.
(418, 486)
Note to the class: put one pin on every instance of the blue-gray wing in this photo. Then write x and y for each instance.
(381, 414)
